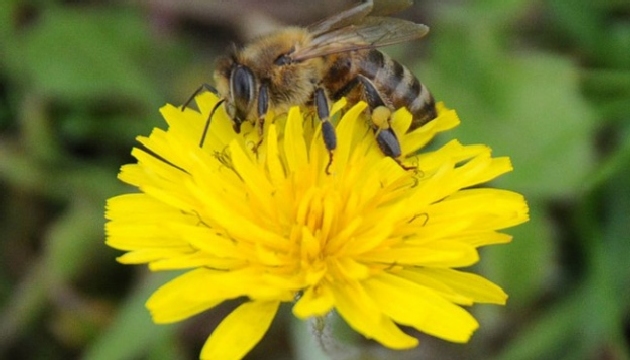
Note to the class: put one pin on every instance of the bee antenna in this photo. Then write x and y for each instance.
(200, 89)
(207, 124)
(233, 51)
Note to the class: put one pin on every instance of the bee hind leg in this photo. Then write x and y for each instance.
(328, 130)
(385, 136)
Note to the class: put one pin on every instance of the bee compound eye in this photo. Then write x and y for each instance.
(242, 90)
(242, 84)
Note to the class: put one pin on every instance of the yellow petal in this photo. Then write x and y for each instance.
(401, 120)
(206, 101)
(365, 316)
(473, 286)
(135, 208)
(439, 253)
(128, 236)
(181, 297)
(487, 208)
(147, 255)
(206, 239)
(204, 288)
(411, 304)
(337, 106)
(482, 238)
(345, 135)
(294, 144)
(411, 142)
(274, 164)
(316, 301)
(240, 331)
(187, 125)
(254, 177)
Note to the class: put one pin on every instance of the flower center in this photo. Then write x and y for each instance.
(315, 217)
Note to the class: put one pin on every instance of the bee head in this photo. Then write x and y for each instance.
(237, 84)
(267, 61)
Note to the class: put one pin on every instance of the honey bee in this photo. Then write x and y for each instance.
(325, 61)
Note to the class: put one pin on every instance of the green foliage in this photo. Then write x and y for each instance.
(546, 83)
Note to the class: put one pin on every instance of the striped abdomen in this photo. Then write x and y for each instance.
(396, 85)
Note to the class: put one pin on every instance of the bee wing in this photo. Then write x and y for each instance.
(390, 6)
(342, 19)
(371, 32)
(356, 13)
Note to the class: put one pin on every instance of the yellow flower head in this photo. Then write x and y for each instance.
(265, 221)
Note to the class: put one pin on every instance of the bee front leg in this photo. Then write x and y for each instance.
(263, 106)
(328, 130)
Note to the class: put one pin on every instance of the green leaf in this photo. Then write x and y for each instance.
(78, 53)
(528, 108)
(132, 334)
(545, 127)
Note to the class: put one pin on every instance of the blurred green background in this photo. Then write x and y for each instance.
(546, 82)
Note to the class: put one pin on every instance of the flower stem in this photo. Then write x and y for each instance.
(322, 331)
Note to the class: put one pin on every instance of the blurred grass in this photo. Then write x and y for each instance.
(545, 82)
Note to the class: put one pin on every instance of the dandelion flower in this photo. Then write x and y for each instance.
(370, 239)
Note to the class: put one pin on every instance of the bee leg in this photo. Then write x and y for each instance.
(328, 130)
(385, 136)
(346, 89)
(263, 106)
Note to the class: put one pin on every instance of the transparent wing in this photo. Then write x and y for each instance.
(356, 13)
(342, 19)
(370, 32)
(386, 7)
